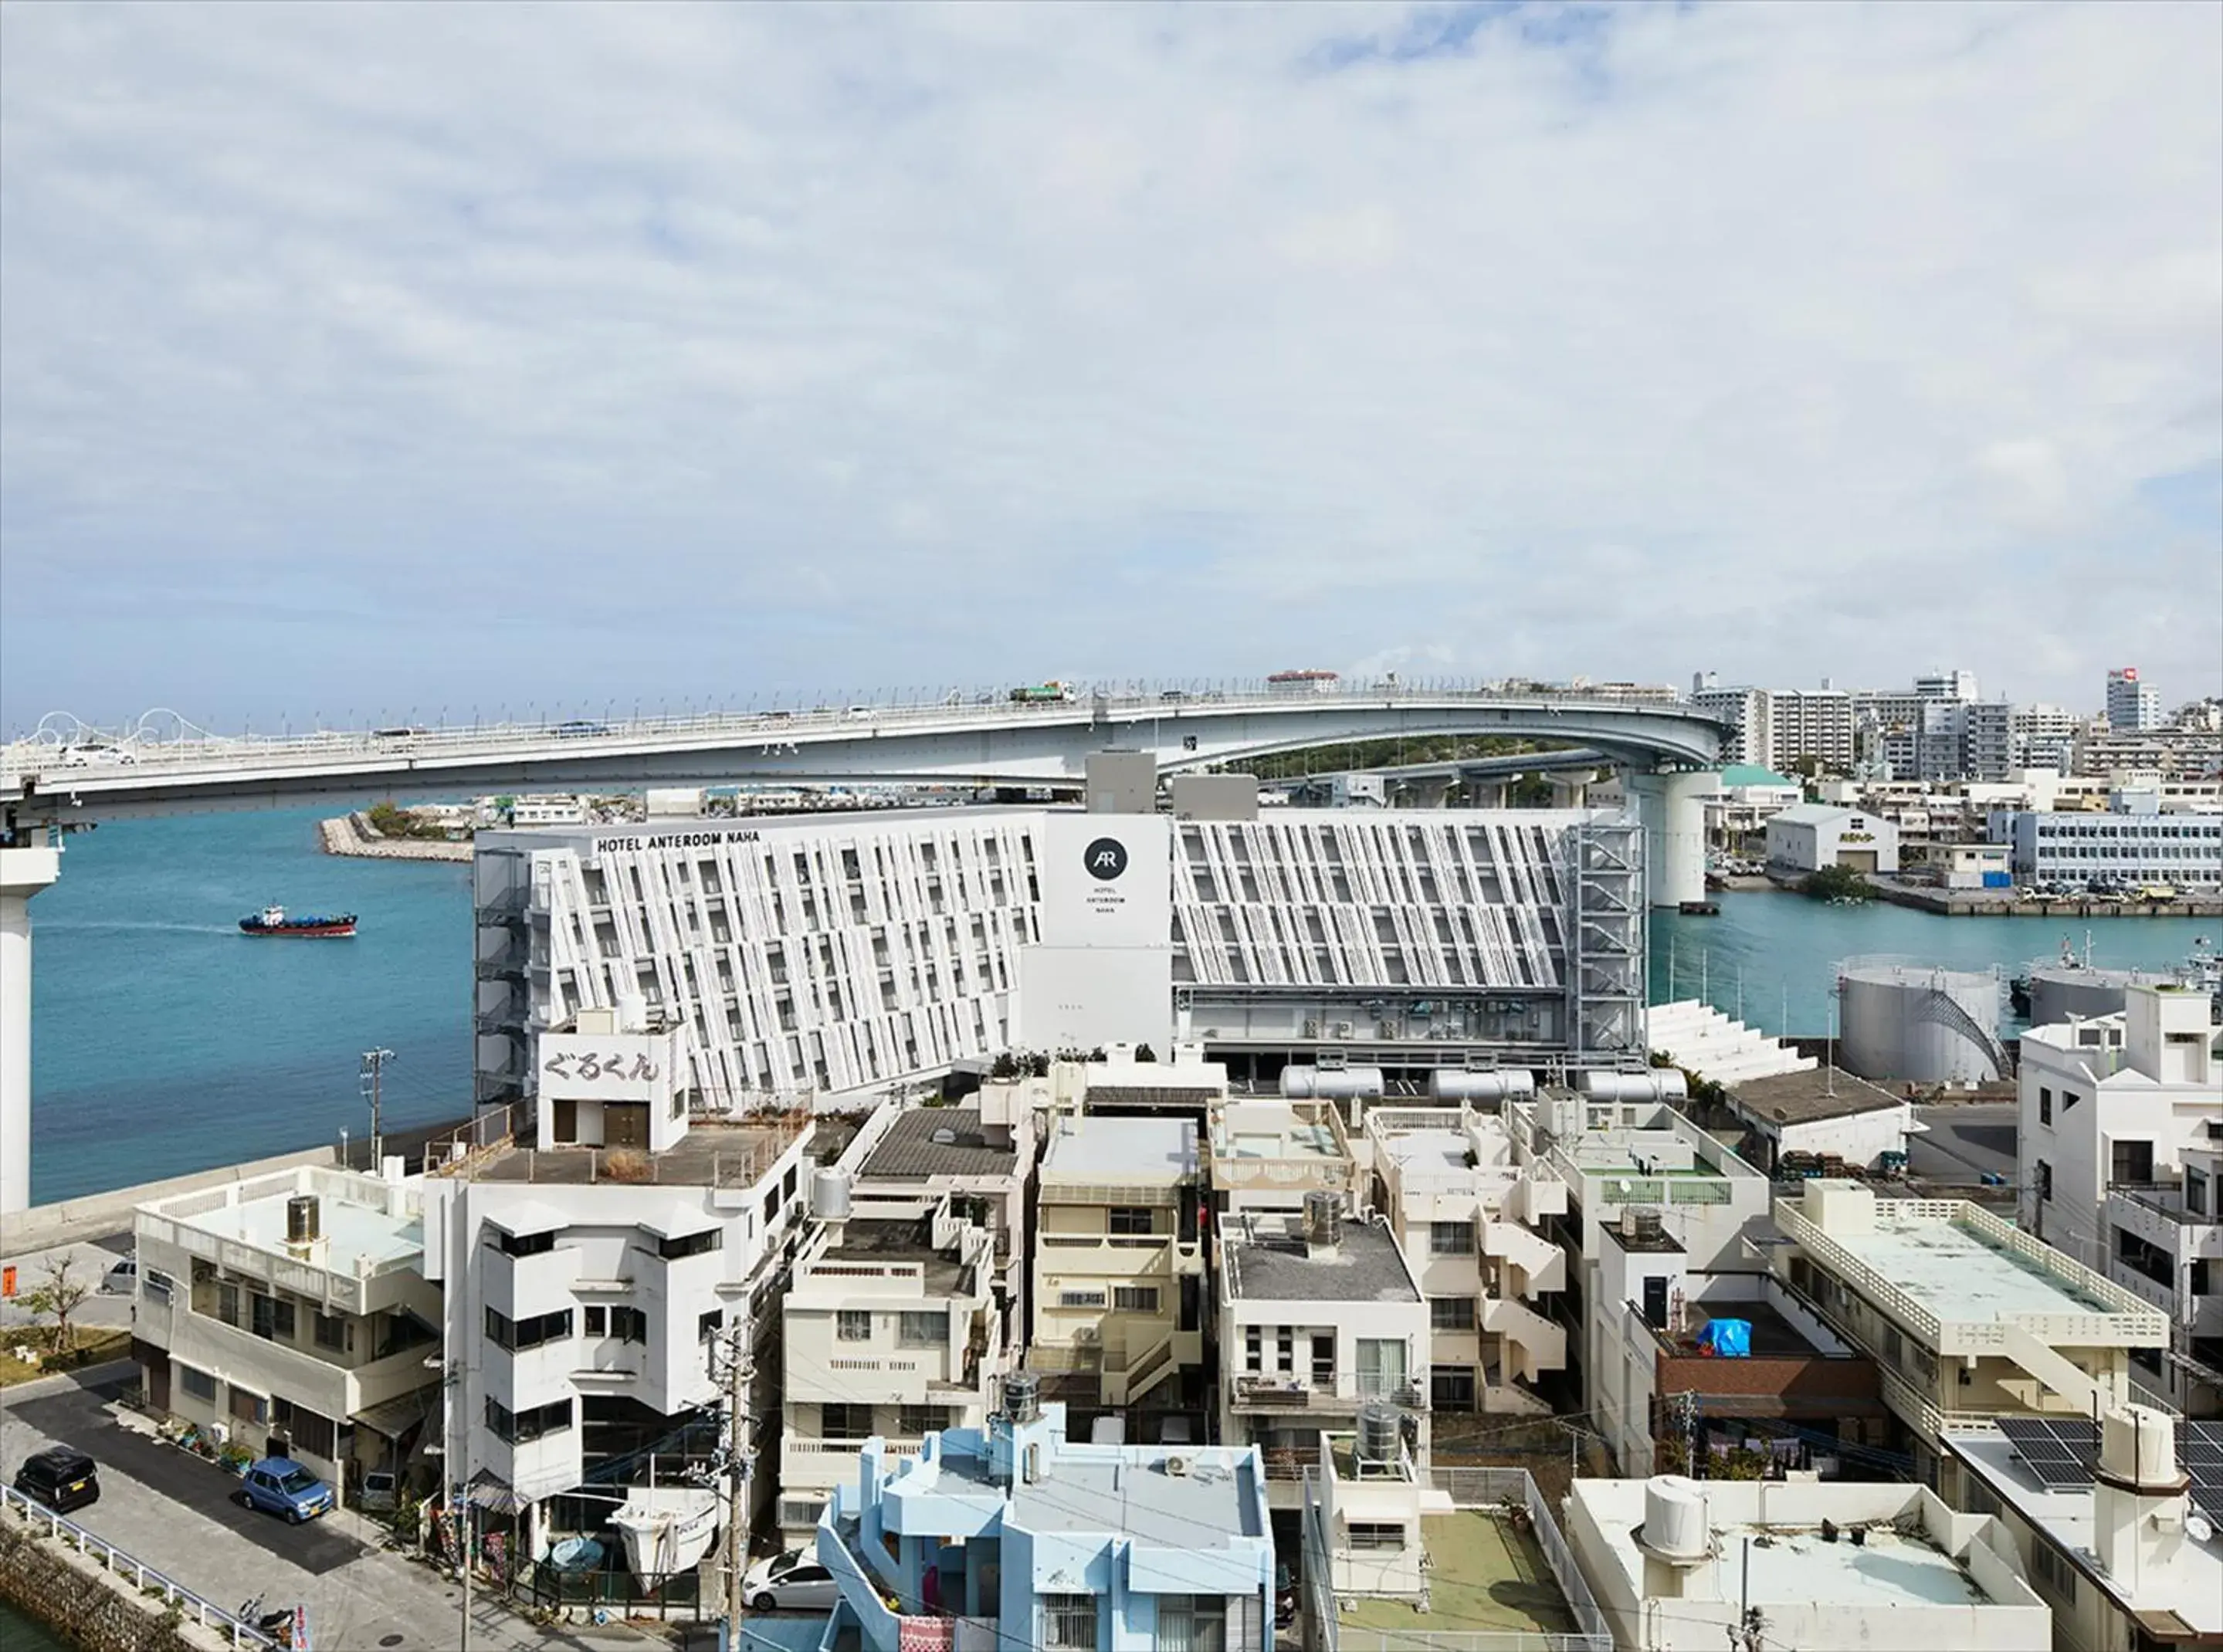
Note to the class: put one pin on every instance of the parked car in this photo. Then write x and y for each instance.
(60, 1478)
(280, 1485)
(793, 1582)
(122, 1279)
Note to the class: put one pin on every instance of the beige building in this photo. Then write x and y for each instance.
(294, 1304)
(1119, 1289)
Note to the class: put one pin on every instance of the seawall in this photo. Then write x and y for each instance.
(352, 834)
(46, 1578)
(97, 1215)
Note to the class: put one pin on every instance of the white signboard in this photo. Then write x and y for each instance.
(1107, 881)
(607, 1066)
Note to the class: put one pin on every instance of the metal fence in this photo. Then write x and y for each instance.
(143, 1577)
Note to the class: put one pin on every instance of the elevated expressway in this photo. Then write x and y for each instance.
(991, 741)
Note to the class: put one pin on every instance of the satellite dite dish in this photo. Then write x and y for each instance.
(2197, 1528)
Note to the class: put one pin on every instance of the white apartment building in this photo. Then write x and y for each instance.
(1270, 1154)
(1467, 1214)
(2043, 737)
(1959, 684)
(890, 1332)
(2131, 705)
(582, 1289)
(1967, 1317)
(292, 1304)
(2121, 1124)
(840, 954)
(2147, 847)
(1745, 709)
(1317, 1315)
(1678, 1565)
(2102, 1523)
(1119, 1296)
(1816, 723)
(551, 809)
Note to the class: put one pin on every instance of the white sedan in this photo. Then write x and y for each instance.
(794, 1581)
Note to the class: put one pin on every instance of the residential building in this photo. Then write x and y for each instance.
(1745, 711)
(1396, 1556)
(1988, 751)
(1814, 835)
(293, 1305)
(2104, 1526)
(890, 1332)
(2043, 737)
(2121, 1124)
(1120, 1289)
(1466, 1212)
(2131, 705)
(1749, 796)
(1965, 1316)
(1017, 1536)
(1815, 723)
(1669, 1387)
(1271, 1154)
(1958, 685)
(583, 1289)
(2118, 846)
(1318, 1315)
(1822, 1113)
(1679, 1565)
(1622, 1147)
(549, 810)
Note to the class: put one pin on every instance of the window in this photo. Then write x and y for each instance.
(197, 1383)
(531, 1423)
(1080, 1299)
(915, 1330)
(2195, 1200)
(1451, 1239)
(2045, 1182)
(852, 1325)
(273, 1318)
(1192, 1623)
(249, 1408)
(227, 1303)
(1381, 1537)
(710, 1324)
(1381, 1367)
(1069, 1621)
(2200, 1274)
(157, 1285)
(690, 1244)
(916, 1422)
(1253, 1352)
(2052, 1568)
(2131, 1162)
(597, 1321)
(330, 1331)
(629, 1324)
(1135, 1298)
(2044, 1104)
(2069, 1099)
(530, 1332)
(837, 1422)
(1451, 1388)
(1451, 1313)
(1132, 1221)
(522, 1244)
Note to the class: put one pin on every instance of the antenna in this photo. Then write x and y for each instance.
(374, 1066)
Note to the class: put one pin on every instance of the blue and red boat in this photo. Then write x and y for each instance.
(273, 921)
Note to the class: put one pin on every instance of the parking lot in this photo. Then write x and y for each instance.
(179, 1514)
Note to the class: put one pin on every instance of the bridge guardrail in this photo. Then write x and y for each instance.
(771, 726)
(143, 1576)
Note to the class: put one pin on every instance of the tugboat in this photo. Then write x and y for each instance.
(273, 921)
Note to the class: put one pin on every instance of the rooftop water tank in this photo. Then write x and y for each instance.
(304, 1221)
(1022, 1396)
(829, 1195)
(1379, 1432)
(1675, 1525)
(2138, 1446)
(1323, 1221)
(1301, 1083)
(1454, 1084)
(1652, 1084)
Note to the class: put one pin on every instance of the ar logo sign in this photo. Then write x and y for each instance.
(1105, 858)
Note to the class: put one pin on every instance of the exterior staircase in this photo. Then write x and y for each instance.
(1700, 1039)
(1543, 1265)
(1534, 1344)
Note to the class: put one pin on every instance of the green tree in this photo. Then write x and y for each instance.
(1837, 884)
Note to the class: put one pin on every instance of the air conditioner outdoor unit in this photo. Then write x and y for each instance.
(1178, 1467)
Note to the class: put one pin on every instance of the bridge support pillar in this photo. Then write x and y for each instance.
(1489, 793)
(23, 873)
(1571, 791)
(1425, 793)
(1674, 833)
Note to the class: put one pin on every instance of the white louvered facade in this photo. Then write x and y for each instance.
(836, 953)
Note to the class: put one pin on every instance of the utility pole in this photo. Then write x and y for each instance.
(374, 1067)
(731, 1350)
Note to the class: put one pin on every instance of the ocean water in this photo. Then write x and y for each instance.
(21, 1634)
(166, 1041)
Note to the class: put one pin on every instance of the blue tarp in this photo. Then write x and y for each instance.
(1730, 1339)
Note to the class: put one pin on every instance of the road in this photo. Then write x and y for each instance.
(176, 1513)
(1965, 1141)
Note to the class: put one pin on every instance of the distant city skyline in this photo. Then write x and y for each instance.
(363, 362)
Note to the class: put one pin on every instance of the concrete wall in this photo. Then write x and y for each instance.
(97, 1216)
(71, 1593)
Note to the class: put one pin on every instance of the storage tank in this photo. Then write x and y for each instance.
(1652, 1084)
(2061, 993)
(829, 1195)
(1022, 1396)
(1379, 1432)
(1917, 1023)
(1675, 1523)
(1301, 1083)
(1455, 1084)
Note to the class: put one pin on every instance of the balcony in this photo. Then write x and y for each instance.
(831, 1462)
(1255, 1391)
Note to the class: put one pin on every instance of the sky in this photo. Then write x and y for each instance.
(358, 361)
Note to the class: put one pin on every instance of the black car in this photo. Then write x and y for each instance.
(60, 1478)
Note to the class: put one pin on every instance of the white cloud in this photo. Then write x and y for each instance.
(588, 349)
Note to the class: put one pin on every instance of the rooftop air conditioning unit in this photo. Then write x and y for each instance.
(1178, 1467)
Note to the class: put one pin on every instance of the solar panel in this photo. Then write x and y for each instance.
(2056, 1453)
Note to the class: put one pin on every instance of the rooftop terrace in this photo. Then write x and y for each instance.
(349, 1231)
(1137, 1498)
(713, 1153)
(1486, 1572)
(874, 1240)
(1273, 1264)
(1096, 1149)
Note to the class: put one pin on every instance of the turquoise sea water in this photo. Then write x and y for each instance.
(164, 1041)
(21, 1634)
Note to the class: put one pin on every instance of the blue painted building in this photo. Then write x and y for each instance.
(1015, 1536)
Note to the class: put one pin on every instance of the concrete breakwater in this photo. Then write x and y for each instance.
(353, 834)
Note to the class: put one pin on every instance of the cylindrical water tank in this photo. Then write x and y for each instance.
(303, 1223)
(1379, 1432)
(1675, 1518)
(1652, 1084)
(1323, 1220)
(1455, 1084)
(1916, 1024)
(829, 1195)
(1022, 1396)
(2137, 1445)
(1301, 1083)
(2061, 995)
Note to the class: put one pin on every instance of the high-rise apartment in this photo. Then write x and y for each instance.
(2132, 704)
